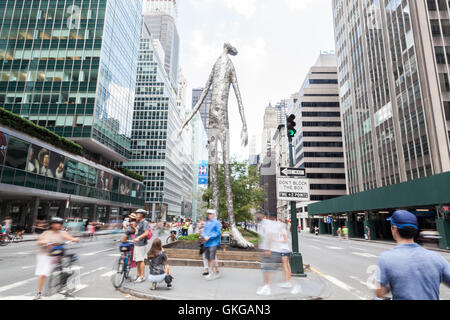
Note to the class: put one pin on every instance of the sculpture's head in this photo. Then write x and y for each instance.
(230, 49)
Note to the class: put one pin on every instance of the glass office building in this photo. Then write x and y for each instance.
(70, 66)
(156, 151)
(393, 70)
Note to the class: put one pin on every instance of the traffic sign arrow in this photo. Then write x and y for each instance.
(292, 172)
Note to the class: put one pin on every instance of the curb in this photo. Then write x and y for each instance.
(139, 294)
(387, 243)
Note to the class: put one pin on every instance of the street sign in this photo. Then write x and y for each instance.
(292, 172)
(293, 189)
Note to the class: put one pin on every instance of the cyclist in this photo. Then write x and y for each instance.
(47, 240)
(173, 230)
(129, 234)
(4, 230)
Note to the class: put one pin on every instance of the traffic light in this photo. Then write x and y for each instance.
(291, 126)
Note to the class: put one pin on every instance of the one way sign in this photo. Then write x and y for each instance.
(292, 172)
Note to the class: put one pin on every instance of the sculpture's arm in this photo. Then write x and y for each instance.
(244, 135)
(199, 103)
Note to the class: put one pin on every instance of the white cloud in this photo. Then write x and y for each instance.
(243, 7)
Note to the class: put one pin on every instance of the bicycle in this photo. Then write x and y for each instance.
(5, 239)
(65, 277)
(16, 236)
(123, 264)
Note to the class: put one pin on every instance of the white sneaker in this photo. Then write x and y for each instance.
(286, 285)
(139, 280)
(209, 277)
(264, 291)
(217, 275)
(296, 290)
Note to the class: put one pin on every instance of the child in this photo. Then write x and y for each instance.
(159, 267)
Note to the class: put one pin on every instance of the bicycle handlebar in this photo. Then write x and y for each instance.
(57, 243)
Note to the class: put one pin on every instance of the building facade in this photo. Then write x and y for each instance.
(394, 88)
(204, 108)
(318, 145)
(64, 66)
(157, 153)
(163, 27)
(39, 181)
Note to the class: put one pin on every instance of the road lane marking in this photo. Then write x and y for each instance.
(17, 284)
(92, 271)
(335, 248)
(365, 254)
(364, 283)
(356, 248)
(314, 247)
(109, 274)
(24, 253)
(114, 255)
(27, 267)
(340, 284)
(97, 252)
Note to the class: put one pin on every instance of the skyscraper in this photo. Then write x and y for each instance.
(318, 144)
(162, 24)
(204, 109)
(394, 83)
(72, 68)
(156, 152)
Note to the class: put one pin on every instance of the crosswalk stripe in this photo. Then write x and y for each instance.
(335, 248)
(17, 284)
(365, 254)
(96, 252)
(114, 255)
(92, 271)
(108, 274)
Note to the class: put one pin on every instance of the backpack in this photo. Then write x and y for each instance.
(150, 234)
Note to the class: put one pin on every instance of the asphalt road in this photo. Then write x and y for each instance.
(348, 265)
(96, 260)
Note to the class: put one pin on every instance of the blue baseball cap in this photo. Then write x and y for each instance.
(403, 218)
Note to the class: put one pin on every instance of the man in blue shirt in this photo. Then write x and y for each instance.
(409, 271)
(211, 235)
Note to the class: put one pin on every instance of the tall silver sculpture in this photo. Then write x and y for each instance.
(221, 78)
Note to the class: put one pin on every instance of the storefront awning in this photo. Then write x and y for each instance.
(430, 191)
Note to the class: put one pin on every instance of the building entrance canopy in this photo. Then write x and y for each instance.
(430, 191)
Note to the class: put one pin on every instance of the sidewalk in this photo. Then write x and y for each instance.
(392, 242)
(233, 284)
(34, 237)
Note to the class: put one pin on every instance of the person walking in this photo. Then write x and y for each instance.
(316, 230)
(339, 233)
(367, 234)
(410, 271)
(185, 228)
(268, 264)
(91, 231)
(140, 244)
(159, 266)
(281, 251)
(130, 235)
(211, 235)
(47, 240)
(345, 232)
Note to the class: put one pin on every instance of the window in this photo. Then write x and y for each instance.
(17, 152)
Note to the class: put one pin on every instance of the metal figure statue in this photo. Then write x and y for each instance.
(221, 78)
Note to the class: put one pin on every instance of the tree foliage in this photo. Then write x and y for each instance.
(247, 193)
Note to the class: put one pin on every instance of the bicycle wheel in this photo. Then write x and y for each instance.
(54, 284)
(171, 239)
(119, 277)
(72, 277)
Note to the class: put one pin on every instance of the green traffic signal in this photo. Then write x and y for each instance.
(292, 133)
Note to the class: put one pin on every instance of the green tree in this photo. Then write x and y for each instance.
(247, 193)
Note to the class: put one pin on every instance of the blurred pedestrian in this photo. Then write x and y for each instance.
(345, 232)
(268, 263)
(279, 245)
(140, 240)
(316, 230)
(367, 234)
(159, 265)
(211, 235)
(185, 228)
(339, 232)
(410, 271)
(46, 241)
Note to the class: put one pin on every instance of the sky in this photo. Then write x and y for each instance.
(278, 42)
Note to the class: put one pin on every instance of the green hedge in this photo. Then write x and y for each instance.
(18, 123)
(132, 174)
(191, 237)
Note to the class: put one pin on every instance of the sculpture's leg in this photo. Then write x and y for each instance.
(236, 236)
(214, 170)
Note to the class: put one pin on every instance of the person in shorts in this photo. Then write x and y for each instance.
(211, 235)
(47, 240)
(279, 245)
(140, 245)
(268, 262)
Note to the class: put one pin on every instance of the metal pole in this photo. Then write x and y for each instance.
(296, 258)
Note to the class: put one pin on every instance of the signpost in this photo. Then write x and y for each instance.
(292, 186)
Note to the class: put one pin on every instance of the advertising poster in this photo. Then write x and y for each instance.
(3, 146)
(105, 181)
(125, 187)
(203, 173)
